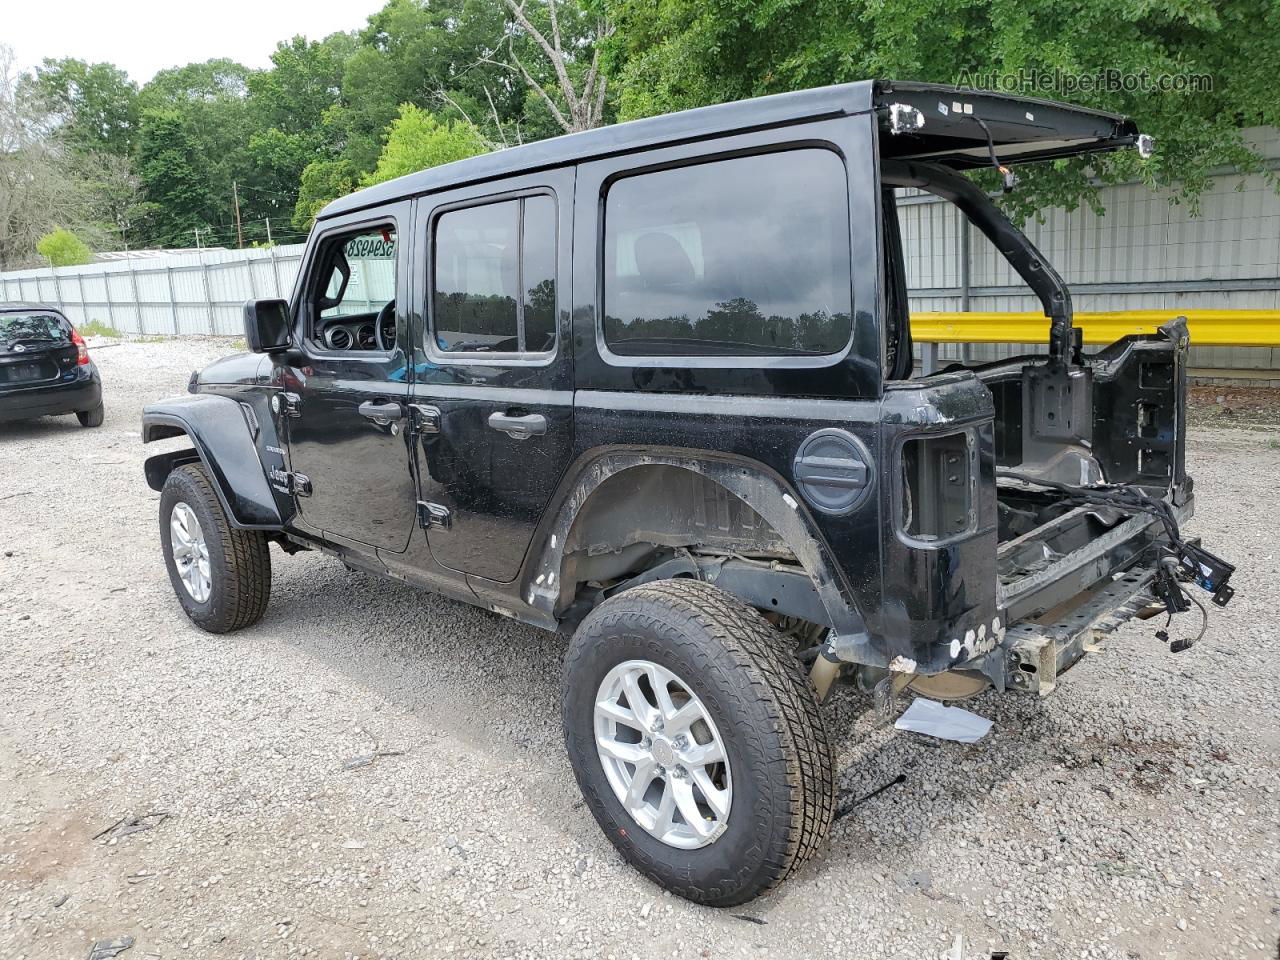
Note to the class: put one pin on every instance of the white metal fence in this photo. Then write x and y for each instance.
(184, 294)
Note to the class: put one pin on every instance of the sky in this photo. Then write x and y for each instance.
(144, 36)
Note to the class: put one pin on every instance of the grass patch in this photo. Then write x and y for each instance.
(96, 328)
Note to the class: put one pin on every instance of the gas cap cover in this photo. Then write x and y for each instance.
(833, 470)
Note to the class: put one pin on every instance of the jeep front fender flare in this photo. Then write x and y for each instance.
(755, 486)
(224, 444)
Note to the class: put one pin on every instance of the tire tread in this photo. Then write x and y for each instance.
(783, 689)
(247, 586)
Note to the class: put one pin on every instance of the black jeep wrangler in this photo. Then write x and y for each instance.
(652, 385)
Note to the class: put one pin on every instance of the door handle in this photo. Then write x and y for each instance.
(519, 428)
(426, 417)
(381, 412)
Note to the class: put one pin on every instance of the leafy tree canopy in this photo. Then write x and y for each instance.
(62, 248)
(322, 181)
(96, 103)
(418, 140)
(173, 167)
(149, 166)
(673, 54)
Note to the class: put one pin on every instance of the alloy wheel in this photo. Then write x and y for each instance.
(663, 755)
(190, 552)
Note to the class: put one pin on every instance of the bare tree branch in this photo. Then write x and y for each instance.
(554, 55)
(590, 81)
(496, 121)
(546, 97)
(555, 25)
(598, 117)
(441, 94)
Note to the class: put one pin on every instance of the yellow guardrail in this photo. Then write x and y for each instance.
(1209, 328)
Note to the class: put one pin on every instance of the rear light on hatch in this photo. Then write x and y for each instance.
(82, 349)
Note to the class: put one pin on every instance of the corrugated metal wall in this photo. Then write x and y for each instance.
(1145, 253)
(193, 293)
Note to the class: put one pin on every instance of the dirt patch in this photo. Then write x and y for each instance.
(1235, 406)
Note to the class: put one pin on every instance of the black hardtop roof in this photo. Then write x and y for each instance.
(740, 116)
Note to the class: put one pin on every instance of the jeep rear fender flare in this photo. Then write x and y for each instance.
(751, 482)
(223, 442)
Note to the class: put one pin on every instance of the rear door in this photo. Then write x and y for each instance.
(35, 349)
(492, 395)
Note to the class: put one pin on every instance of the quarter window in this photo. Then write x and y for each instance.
(740, 257)
(494, 281)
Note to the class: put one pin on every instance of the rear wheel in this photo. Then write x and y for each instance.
(221, 575)
(92, 417)
(697, 741)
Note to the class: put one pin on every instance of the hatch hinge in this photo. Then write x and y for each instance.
(904, 118)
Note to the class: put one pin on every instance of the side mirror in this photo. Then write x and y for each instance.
(266, 325)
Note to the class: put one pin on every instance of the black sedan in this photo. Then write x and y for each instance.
(45, 368)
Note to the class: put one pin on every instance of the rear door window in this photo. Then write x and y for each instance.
(494, 277)
(747, 256)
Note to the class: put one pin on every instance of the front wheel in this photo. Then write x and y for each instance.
(696, 739)
(221, 575)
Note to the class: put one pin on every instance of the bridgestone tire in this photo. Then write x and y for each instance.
(239, 561)
(764, 708)
(91, 418)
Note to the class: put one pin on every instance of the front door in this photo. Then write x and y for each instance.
(493, 395)
(344, 391)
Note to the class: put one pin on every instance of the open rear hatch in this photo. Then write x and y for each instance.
(1089, 449)
(957, 129)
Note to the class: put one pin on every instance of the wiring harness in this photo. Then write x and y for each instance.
(1180, 561)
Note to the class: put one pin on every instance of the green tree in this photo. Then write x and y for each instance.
(322, 181)
(96, 104)
(115, 197)
(672, 54)
(287, 107)
(206, 106)
(174, 176)
(417, 140)
(62, 248)
(436, 56)
(39, 187)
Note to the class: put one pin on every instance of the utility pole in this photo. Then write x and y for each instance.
(197, 231)
(268, 219)
(235, 196)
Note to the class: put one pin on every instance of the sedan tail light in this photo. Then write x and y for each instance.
(82, 354)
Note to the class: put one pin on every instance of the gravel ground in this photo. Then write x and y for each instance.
(1133, 814)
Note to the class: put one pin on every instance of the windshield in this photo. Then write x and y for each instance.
(33, 325)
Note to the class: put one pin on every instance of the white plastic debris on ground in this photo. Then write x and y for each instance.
(946, 723)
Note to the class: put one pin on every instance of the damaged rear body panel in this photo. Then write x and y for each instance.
(1068, 496)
